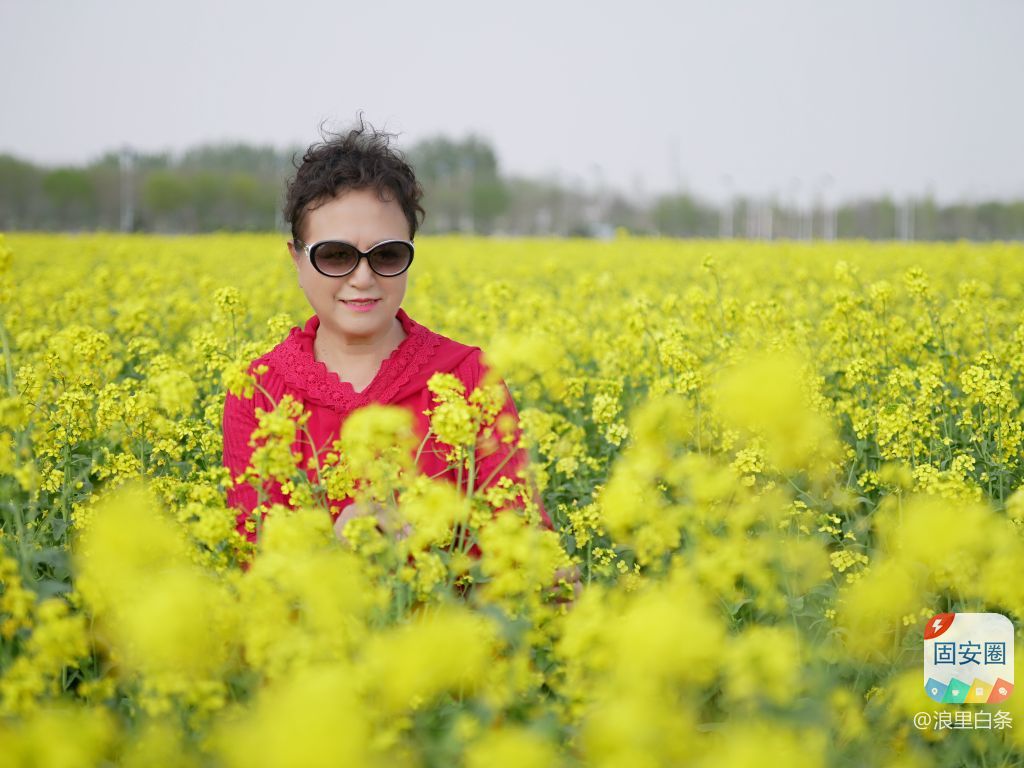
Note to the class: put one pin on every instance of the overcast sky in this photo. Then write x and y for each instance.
(792, 97)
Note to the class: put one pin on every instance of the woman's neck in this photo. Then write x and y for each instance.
(360, 350)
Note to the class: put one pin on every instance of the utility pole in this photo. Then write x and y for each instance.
(726, 216)
(794, 225)
(905, 220)
(753, 211)
(125, 165)
(767, 213)
(824, 185)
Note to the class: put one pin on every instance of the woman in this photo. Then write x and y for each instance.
(353, 208)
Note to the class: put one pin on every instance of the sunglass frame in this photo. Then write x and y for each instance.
(310, 250)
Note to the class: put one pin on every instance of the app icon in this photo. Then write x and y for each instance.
(968, 658)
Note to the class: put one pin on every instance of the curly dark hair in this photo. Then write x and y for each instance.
(358, 159)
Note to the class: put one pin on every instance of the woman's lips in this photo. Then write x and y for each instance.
(362, 306)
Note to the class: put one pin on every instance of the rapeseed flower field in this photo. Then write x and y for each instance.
(771, 463)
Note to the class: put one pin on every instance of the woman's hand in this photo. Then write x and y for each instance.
(571, 575)
(387, 520)
(348, 513)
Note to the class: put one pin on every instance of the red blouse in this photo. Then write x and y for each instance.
(400, 380)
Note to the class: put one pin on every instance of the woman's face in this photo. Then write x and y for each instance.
(361, 218)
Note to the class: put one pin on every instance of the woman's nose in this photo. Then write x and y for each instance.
(362, 274)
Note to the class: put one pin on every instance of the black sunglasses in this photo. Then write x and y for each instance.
(337, 258)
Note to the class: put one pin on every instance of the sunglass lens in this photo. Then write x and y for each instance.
(335, 258)
(391, 258)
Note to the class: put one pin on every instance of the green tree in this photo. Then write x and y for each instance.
(21, 196)
(682, 215)
(463, 189)
(72, 196)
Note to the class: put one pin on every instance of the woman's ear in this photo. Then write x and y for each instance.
(296, 254)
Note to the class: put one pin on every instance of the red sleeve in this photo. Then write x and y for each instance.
(497, 459)
(238, 424)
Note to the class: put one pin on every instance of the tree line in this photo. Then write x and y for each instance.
(241, 187)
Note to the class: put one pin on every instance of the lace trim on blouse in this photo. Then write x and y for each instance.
(293, 360)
